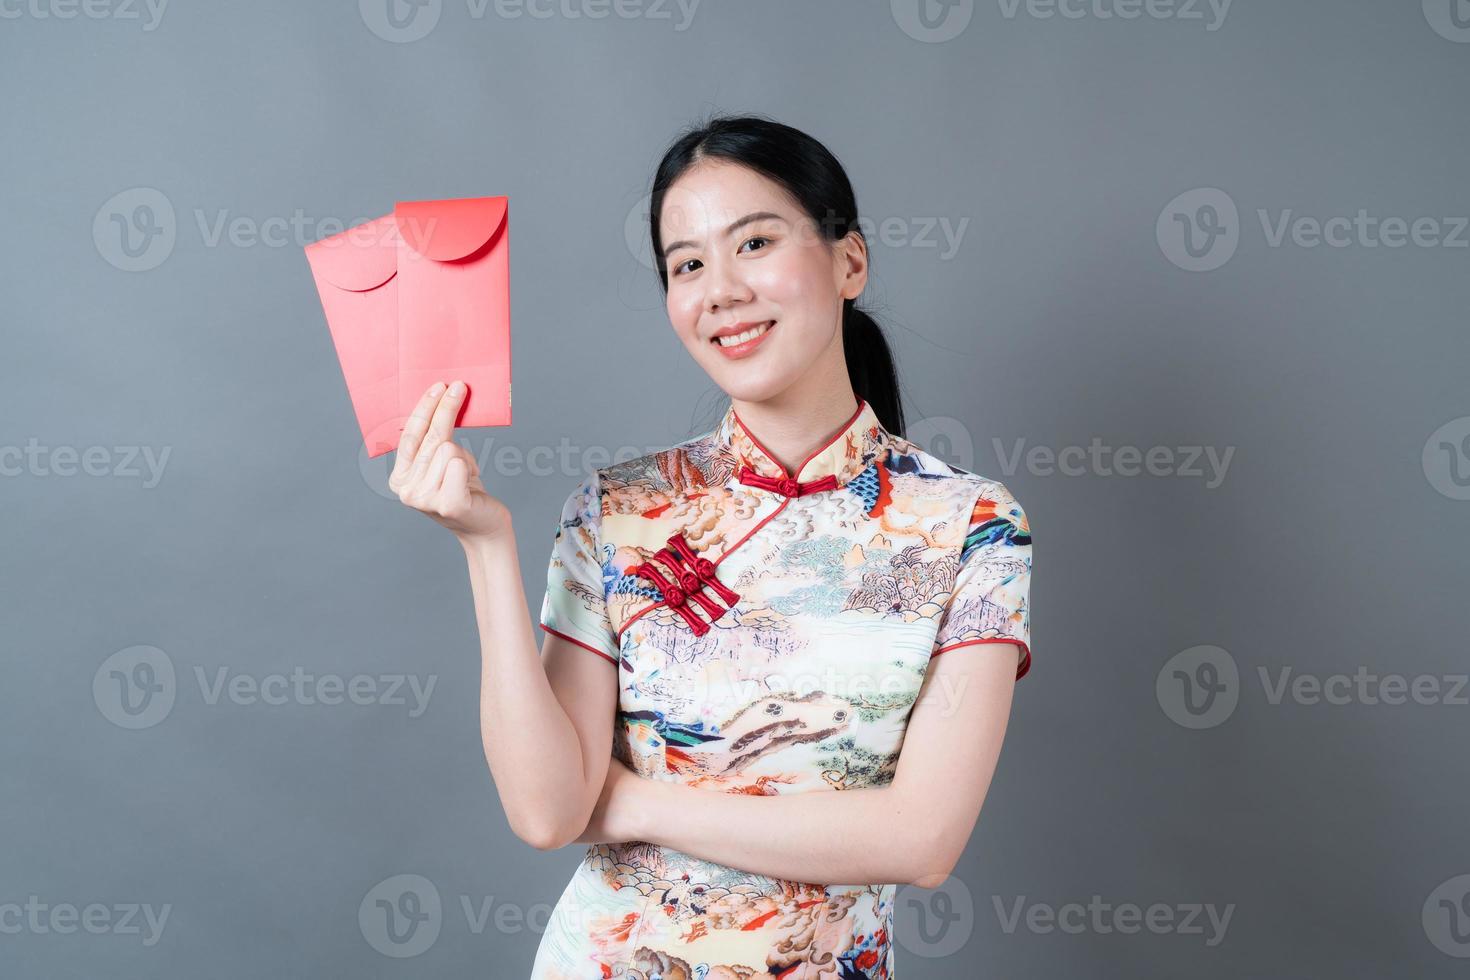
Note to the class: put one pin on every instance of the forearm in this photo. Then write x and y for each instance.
(531, 745)
(861, 836)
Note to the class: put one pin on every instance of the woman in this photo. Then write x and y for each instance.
(741, 624)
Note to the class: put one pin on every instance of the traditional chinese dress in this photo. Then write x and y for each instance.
(770, 633)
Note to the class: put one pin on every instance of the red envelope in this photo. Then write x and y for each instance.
(419, 296)
(355, 272)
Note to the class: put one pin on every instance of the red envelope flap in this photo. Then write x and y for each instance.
(449, 230)
(361, 258)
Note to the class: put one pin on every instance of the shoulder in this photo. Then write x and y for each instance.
(985, 501)
(654, 479)
(659, 469)
(908, 459)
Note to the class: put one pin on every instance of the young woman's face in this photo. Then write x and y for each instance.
(729, 266)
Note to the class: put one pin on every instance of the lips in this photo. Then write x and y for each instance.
(731, 338)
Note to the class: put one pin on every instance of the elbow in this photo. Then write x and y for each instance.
(541, 833)
(933, 858)
(542, 838)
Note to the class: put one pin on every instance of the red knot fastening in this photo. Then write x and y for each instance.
(688, 580)
(786, 486)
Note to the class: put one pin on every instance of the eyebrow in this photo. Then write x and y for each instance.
(730, 230)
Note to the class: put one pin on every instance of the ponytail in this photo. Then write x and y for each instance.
(870, 366)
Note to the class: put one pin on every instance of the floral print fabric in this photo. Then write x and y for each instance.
(804, 683)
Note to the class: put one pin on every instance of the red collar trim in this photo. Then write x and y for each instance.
(829, 466)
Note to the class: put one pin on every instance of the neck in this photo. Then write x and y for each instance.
(795, 424)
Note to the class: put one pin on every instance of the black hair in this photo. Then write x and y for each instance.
(812, 175)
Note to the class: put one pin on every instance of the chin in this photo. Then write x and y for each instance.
(759, 378)
(752, 386)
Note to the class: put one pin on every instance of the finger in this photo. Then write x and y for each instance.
(441, 425)
(434, 477)
(456, 492)
(414, 429)
(437, 431)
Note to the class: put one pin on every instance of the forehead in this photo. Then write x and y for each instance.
(713, 193)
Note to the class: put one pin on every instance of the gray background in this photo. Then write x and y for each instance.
(1334, 544)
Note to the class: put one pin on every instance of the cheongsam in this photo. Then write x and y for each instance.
(770, 632)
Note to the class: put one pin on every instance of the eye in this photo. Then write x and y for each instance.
(676, 270)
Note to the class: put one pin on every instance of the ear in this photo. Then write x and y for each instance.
(852, 265)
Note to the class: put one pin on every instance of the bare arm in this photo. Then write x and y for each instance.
(545, 723)
(911, 831)
(546, 718)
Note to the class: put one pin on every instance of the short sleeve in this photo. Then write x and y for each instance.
(990, 600)
(575, 606)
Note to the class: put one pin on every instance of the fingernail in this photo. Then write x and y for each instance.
(457, 388)
(438, 387)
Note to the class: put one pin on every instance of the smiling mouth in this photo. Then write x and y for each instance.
(740, 338)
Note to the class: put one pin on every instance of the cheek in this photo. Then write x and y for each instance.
(683, 309)
(789, 283)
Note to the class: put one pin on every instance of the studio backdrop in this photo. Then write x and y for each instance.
(1190, 277)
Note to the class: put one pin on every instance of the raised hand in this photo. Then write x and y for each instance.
(436, 475)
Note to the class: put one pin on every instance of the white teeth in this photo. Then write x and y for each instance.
(741, 338)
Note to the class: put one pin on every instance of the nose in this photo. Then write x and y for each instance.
(724, 286)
